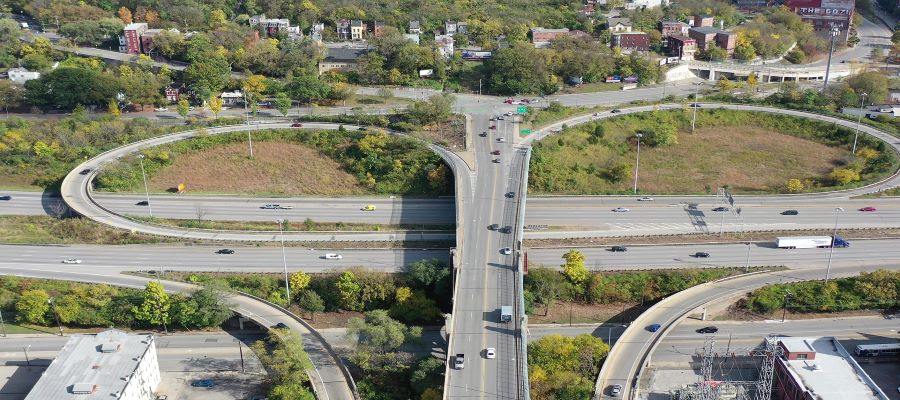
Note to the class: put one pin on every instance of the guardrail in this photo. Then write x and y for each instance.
(520, 281)
(337, 359)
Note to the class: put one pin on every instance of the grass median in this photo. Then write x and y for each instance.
(307, 225)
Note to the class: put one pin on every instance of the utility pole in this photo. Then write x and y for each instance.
(695, 105)
(287, 287)
(146, 190)
(2, 324)
(749, 246)
(637, 164)
(247, 118)
(787, 295)
(837, 213)
(56, 315)
(862, 102)
(834, 33)
(27, 360)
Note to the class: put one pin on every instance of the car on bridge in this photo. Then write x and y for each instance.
(225, 251)
(510, 194)
(496, 152)
(701, 254)
(332, 256)
(506, 251)
(618, 249)
(85, 171)
(653, 327)
(615, 111)
(280, 325)
(790, 212)
(868, 209)
(615, 390)
(497, 161)
(708, 329)
(271, 206)
(71, 261)
(501, 139)
(483, 134)
(494, 227)
(506, 229)
(620, 209)
(142, 203)
(720, 209)
(298, 125)
(459, 362)
(490, 353)
(695, 105)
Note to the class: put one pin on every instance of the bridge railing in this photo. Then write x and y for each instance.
(521, 317)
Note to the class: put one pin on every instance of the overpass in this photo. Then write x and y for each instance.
(714, 71)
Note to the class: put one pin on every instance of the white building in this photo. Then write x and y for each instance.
(232, 98)
(635, 4)
(22, 75)
(111, 365)
(444, 44)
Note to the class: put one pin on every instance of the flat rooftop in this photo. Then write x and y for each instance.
(97, 364)
(830, 376)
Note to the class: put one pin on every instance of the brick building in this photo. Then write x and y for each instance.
(703, 20)
(708, 35)
(631, 41)
(133, 34)
(541, 37)
(669, 28)
(682, 47)
(824, 14)
(820, 369)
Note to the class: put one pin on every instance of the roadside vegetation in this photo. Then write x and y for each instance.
(307, 225)
(745, 151)
(287, 365)
(43, 229)
(562, 367)
(39, 302)
(877, 290)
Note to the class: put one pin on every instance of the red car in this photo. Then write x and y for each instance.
(868, 209)
(296, 125)
(493, 126)
(496, 152)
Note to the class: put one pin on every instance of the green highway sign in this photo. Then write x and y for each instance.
(521, 109)
(524, 131)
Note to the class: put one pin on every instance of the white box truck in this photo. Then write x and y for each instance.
(810, 242)
(506, 313)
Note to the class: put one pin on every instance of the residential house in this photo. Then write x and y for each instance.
(133, 34)
(413, 37)
(174, 92)
(123, 45)
(617, 25)
(681, 46)
(669, 28)
(708, 35)
(462, 28)
(587, 10)
(631, 41)
(316, 31)
(824, 14)
(357, 29)
(444, 45)
(643, 4)
(450, 28)
(148, 36)
(894, 96)
(343, 59)
(377, 28)
(703, 20)
(232, 98)
(343, 29)
(541, 37)
(271, 27)
(22, 75)
(414, 27)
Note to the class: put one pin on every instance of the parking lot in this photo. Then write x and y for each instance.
(228, 385)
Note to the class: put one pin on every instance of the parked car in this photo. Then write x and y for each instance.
(620, 209)
(701, 254)
(6, 197)
(225, 251)
(332, 256)
(645, 199)
(204, 383)
(161, 109)
(618, 249)
(71, 261)
(615, 390)
(708, 329)
(790, 212)
(496, 152)
(506, 251)
(142, 203)
(653, 327)
(490, 352)
(296, 125)
(868, 209)
(720, 209)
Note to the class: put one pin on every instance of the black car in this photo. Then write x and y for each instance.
(142, 203)
(701, 254)
(510, 194)
(615, 111)
(790, 212)
(708, 329)
(6, 197)
(695, 105)
(494, 227)
(85, 171)
(483, 134)
(618, 249)
(506, 229)
(225, 251)
(720, 209)
(362, 128)
(280, 325)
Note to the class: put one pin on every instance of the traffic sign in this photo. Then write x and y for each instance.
(525, 131)
(521, 109)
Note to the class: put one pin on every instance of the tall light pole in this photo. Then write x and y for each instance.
(146, 190)
(247, 118)
(837, 213)
(695, 105)
(749, 246)
(55, 314)
(862, 103)
(834, 33)
(287, 287)
(27, 360)
(637, 164)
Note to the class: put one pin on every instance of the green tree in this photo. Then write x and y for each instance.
(307, 88)
(283, 103)
(349, 291)
(428, 273)
(92, 33)
(875, 84)
(843, 176)
(32, 306)
(140, 86)
(716, 53)
(574, 268)
(113, 108)
(794, 185)
(211, 309)
(10, 95)
(416, 309)
(283, 356)
(428, 373)
(183, 108)
(154, 308)
(211, 72)
(68, 87)
(311, 302)
(437, 108)
(546, 285)
(380, 332)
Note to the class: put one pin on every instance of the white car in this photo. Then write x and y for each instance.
(332, 256)
(71, 261)
(490, 352)
(506, 250)
(645, 199)
(620, 209)
(501, 139)
(161, 109)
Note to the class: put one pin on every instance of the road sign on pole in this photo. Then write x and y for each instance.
(525, 131)
(521, 109)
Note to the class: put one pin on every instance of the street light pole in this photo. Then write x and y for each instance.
(694, 106)
(837, 213)
(247, 118)
(27, 360)
(749, 246)
(146, 190)
(834, 33)
(56, 315)
(287, 287)
(862, 103)
(784, 305)
(637, 164)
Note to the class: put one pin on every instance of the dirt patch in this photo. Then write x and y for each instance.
(328, 319)
(451, 134)
(734, 237)
(735, 312)
(278, 168)
(563, 312)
